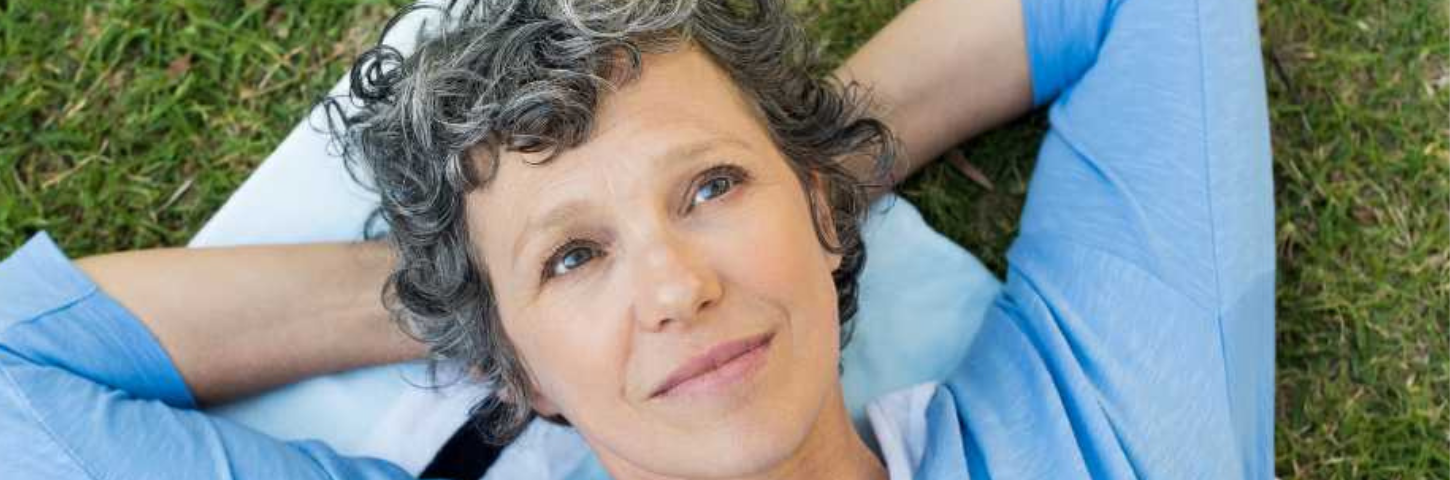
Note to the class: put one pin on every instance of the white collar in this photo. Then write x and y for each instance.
(898, 420)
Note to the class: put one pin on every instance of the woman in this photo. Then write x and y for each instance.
(639, 218)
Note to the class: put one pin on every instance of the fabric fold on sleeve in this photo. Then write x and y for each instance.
(1063, 37)
(95, 338)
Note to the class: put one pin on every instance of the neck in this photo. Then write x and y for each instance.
(832, 449)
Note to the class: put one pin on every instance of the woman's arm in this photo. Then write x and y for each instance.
(87, 392)
(942, 71)
(1134, 334)
(240, 320)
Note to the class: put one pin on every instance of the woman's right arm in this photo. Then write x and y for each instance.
(87, 391)
(241, 320)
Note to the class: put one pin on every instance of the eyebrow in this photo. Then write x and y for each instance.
(574, 209)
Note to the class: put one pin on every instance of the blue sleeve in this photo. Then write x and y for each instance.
(86, 392)
(1063, 37)
(1134, 335)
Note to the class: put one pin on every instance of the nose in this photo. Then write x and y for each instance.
(674, 283)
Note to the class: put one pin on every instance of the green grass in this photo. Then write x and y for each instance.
(125, 124)
(1360, 101)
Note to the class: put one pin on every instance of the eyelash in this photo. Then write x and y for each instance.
(735, 174)
(562, 252)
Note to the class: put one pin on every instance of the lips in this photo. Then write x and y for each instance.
(713, 359)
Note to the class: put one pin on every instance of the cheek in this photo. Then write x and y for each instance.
(575, 358)
(779, 250)
(773, 254)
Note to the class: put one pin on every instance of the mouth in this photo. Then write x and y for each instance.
(719, 367)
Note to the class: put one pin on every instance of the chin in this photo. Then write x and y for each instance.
(734, 450)
(760, 434)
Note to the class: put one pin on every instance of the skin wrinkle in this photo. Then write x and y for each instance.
(571, 210)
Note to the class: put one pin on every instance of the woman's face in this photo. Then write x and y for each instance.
(663, 282)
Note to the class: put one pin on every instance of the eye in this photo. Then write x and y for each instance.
(570, 256)
(715, 183)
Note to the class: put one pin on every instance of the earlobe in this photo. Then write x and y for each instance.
(537, 401)
(547, 410)
(821, 213)
(541, 403)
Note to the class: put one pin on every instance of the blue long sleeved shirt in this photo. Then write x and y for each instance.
(1133, 336)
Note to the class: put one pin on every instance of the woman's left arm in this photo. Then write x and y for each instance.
(941, 72)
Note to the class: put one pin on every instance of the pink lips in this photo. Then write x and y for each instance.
(716, 358)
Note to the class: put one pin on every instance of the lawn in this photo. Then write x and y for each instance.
(125, 124)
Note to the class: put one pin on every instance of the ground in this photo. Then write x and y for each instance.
(125, 124)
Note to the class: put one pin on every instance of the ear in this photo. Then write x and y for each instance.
(542, 404)
(539, 402)
(821, 205)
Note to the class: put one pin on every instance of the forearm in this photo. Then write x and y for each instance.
(240, 320)
(943, 71)
(86, 388)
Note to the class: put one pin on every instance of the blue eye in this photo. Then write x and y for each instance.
(718, 181)
(569, 257)
(712, 189)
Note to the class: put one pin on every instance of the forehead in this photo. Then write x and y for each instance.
(681, 103)
(679, 97)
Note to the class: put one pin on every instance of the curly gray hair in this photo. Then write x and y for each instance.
(526, 76)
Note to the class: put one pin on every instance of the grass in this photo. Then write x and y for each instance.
(125, 124)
